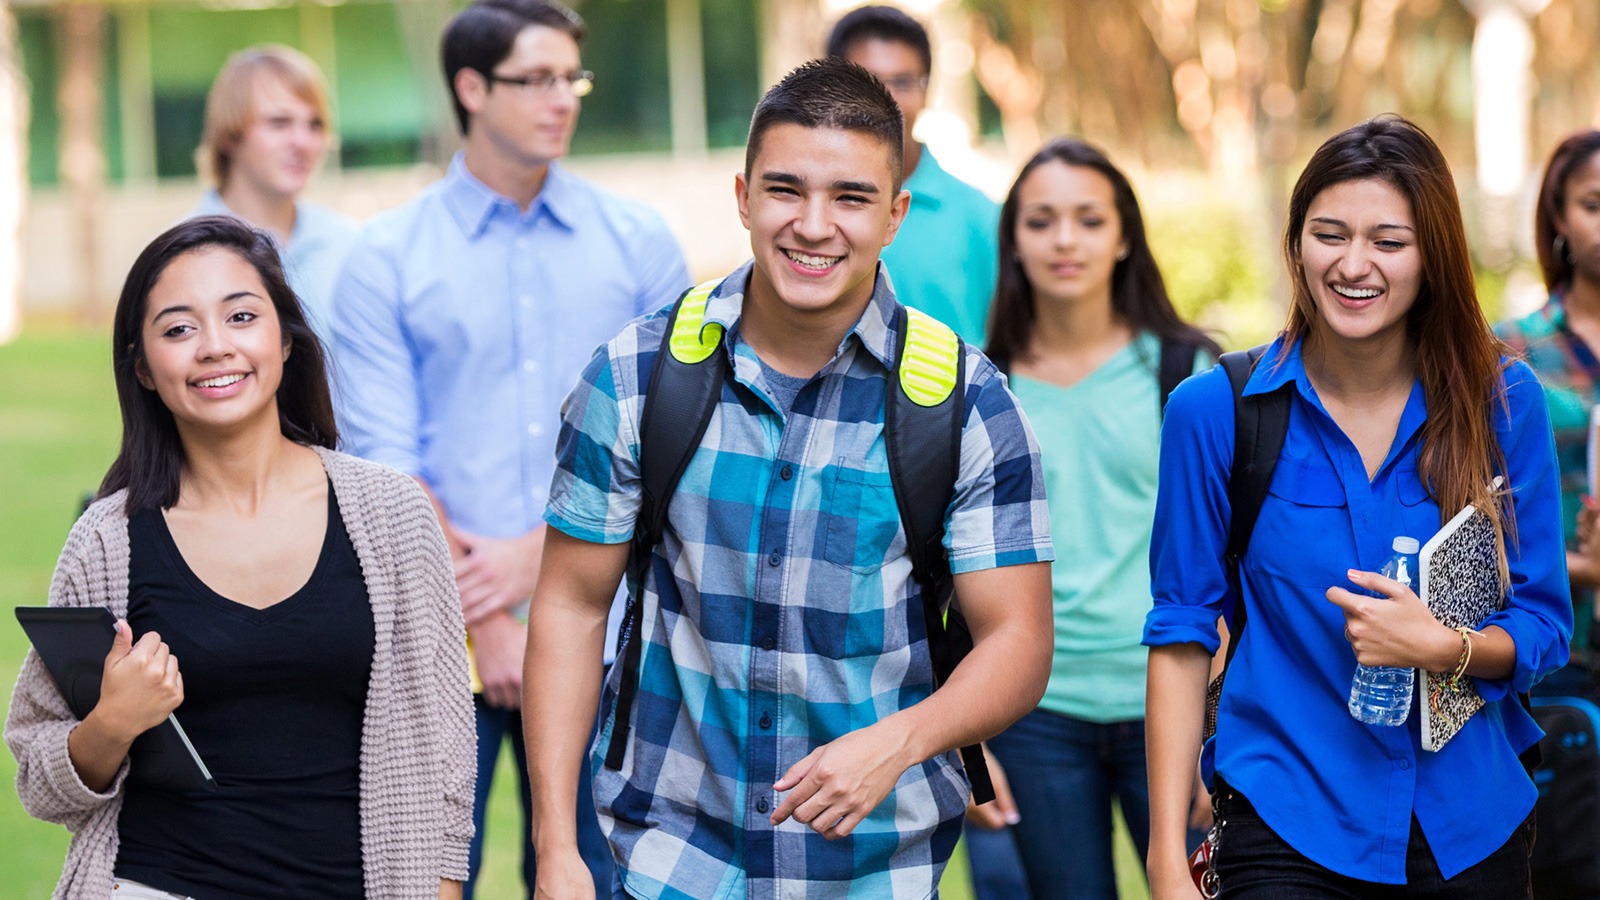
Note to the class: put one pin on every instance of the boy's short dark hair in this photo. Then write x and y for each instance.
(831, 93)
(480, 37)
(883, 23)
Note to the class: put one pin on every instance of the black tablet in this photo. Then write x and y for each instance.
(73, 642)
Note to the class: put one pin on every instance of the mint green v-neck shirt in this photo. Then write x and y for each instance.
(1099, 441)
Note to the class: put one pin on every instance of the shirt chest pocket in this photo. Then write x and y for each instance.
(1306, 503)
(861, 518)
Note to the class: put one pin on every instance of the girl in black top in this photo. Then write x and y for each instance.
(240, 563)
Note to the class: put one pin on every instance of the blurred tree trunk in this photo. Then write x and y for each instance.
(421, 23)
(13, 175)
(1566, 79)
(1013, 83)
(1217, 52)
(792, 32)
(80, 29)
(1502, 101)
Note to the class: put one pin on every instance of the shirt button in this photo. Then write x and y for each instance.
(535, 429)
(774, 559)
(530, 366)
(768, 643)
(526, 299)
(766, 722)
(786, 473)
(761, 805)
(1404, 764)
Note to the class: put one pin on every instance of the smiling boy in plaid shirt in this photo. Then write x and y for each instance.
(786, 739)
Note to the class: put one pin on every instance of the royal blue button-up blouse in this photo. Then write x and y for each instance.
(1340, 792)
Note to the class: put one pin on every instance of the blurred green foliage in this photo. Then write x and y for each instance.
(1217, 268)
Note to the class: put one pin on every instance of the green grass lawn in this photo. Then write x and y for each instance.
(58, 433)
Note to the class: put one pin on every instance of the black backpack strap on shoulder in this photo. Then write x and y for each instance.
(685, 385)
(1177, 363)
(922, 434)
(1260, 424)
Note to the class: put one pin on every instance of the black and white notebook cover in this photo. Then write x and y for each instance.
(1460, 582)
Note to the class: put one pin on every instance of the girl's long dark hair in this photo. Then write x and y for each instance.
(1138, 293)
(151, 459)
(1555, 262)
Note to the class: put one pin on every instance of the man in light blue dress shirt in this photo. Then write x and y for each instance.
(467, 315)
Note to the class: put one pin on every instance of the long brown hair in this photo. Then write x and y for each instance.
(1138, 293)
(1458, 358)
(150, 462)
(1555, 263)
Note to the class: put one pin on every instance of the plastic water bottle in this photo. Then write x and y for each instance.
(1380, 695)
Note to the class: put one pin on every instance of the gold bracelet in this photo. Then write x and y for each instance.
(1455, 682)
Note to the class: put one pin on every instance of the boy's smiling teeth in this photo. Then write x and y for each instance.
(1356, 293)
(811, 262)
(219, 381)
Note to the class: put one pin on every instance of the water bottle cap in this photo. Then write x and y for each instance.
(1406, 545)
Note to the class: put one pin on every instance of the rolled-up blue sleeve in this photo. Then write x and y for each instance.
(1538, 610)
(1188, 575)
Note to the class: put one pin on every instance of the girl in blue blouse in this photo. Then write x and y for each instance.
(1403, 410)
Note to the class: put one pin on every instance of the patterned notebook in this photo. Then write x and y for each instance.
(1461, 585)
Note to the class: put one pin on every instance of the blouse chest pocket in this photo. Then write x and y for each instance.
(1409, 486)
(863, 521)
(1306, 504)
(1306, 485)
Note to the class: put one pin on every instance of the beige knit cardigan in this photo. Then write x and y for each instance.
(418, 754)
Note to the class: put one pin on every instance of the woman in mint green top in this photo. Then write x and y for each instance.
(1079, 319)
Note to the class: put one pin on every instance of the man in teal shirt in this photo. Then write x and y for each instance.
(944, 260)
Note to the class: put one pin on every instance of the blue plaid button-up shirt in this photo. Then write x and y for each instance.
(780, 611)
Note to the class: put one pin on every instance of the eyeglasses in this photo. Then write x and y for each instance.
(580, 82)
(905, 84)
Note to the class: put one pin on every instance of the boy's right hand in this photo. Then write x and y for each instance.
(140, 685)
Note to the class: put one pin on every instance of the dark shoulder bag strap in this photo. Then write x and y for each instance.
(1260, 424)
(685, 384)
(923, 441)
(1177, 363)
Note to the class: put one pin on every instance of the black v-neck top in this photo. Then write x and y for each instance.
(273, 701)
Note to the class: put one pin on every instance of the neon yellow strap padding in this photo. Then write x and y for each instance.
(929, 366)
(692, 339)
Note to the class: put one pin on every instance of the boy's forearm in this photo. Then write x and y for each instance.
(999, 682)
(1004, 675)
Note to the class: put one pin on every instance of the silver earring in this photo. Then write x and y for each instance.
(1122, 254)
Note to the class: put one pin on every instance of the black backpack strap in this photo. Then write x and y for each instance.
(1260, 424)
(922, 434)
(685, 385)
(1177, 363)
